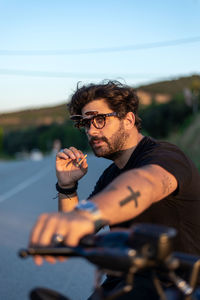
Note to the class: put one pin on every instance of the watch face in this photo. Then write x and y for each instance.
(91, 207)
(87, 205)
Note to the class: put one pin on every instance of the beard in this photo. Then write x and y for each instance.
(112, 148)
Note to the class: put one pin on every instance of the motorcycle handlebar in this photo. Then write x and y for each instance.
(145, 245)
(124, 251)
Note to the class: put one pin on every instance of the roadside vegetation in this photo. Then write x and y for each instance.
(188, 138)
(43, 138)
(176, 120)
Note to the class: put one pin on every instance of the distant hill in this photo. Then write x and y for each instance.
(34, 117)
(160, 91)
(163, 91)
(171, 87)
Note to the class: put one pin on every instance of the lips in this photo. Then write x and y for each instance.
(96, 142)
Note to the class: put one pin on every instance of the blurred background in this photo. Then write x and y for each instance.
(46, 48)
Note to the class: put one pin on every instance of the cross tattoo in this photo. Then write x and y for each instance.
(133, 197)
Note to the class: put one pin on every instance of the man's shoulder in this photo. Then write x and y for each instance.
(162, 153)
(150, 143)
(171, 158)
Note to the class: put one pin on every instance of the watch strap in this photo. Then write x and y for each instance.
(91, 207)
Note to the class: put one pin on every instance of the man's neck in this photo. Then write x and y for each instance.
(122, 160)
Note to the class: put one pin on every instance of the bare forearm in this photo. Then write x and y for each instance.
(67, 203)
(132, 193)
(119, 203)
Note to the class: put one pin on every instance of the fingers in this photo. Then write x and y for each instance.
(78, 226)
(46, 227)
(71, 166)
(37, 230)
(72, 226)
(43, 232)
(73, 153)
(38, 260)
(81, 160)
(61, 258)
(50, 259)
(82, 163)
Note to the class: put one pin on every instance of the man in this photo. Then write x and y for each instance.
(149, 181)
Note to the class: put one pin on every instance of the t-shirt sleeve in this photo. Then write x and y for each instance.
(172, 159)
(107, 176)
(97, 188)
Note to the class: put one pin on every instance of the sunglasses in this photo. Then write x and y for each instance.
(97, 120)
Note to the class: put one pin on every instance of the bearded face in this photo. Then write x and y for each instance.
(111, 147)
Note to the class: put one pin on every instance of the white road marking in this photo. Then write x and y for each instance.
(24, 185)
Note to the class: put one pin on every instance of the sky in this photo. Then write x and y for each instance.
(48, 46)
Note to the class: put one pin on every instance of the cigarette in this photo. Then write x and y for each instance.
(80, 162)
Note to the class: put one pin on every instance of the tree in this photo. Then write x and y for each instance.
(1, 139)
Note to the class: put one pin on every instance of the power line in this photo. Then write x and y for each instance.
(73, 75)
(143, 46)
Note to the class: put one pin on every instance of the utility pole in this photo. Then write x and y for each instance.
(192, 95)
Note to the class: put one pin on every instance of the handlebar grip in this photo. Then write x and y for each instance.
(23, 253)
(56, 251)
(111, 259)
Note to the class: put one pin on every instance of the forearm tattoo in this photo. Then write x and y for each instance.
(166, 184)
(111, 188)
(133, 197)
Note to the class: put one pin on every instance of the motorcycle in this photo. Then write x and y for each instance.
(144, 247)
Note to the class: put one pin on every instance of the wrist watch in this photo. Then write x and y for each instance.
(91, 207)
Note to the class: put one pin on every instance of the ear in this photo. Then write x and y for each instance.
(129, 120)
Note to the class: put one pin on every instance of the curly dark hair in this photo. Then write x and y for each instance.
(119, 97)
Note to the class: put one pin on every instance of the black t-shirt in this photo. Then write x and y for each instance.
(181, 209)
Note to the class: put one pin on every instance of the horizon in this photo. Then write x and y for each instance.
(47, 47)
(64, 101)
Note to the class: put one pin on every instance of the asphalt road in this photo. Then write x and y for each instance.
(27, 189)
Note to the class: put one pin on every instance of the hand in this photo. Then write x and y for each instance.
(72, 226)
(67, 170)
